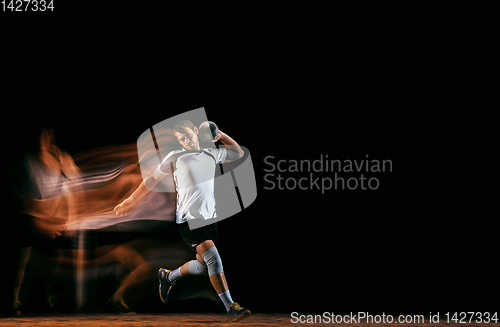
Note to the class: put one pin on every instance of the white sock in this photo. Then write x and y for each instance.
(174, 275)
(226, 299)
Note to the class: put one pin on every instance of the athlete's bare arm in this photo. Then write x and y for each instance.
(147, 184)
(234, 150)
(71, 171)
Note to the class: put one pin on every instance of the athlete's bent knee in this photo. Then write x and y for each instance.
(213, 261)
(200, 259)
(196, 268)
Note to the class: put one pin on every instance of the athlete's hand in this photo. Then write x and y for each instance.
(218, 137)
(124, 207)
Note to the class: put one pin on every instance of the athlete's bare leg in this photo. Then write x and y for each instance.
(219, 280)
(208, 250)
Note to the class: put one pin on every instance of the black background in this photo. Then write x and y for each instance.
(412, 83)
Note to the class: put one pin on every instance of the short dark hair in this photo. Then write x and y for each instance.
(182, 125)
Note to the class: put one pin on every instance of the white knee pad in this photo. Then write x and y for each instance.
(213, 261)
(196, 268)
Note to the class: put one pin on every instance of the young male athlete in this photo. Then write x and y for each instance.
(47, 204)
(193, 170)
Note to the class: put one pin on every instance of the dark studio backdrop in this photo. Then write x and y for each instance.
(295, 80)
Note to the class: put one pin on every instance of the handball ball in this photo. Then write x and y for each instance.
(208, 131)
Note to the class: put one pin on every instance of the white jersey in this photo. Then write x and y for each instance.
(44, 182)
(194, 181)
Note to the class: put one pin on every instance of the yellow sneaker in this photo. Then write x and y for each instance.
(165, 284)
(237, 312)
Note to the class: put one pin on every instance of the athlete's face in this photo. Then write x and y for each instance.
(47, 152)
(188, 138)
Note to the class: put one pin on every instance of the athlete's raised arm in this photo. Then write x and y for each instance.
(234, 151)
(147, 184)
